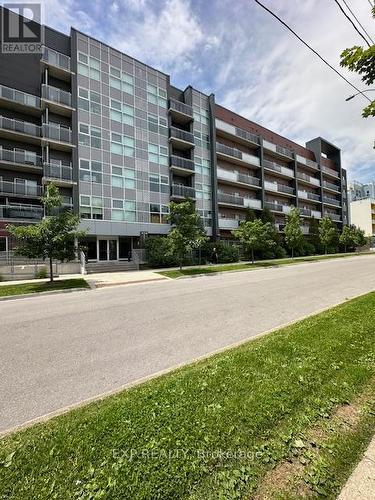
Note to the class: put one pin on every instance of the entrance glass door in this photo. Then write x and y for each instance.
(107, 249)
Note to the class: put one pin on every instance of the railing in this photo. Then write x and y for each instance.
(334, 217)
(181, 107)
(19, 126)
(274, 186)
(12, 188)
(330, 171)
(330, 185)
(308, 196)
(226, 150)
(237, 177)
(230, 199)
(278, 168)
(178, 161)
(332, 201)
(183, 135)
(248, 136)
(308, 178)
(226, 223)
(273, 206)
(305, 211)
(19, 97)
(248, 179)
(28, 212)
(284, 151)
(58, 171)
(57, 132)
(20, 156)
(56, 58)
(56, 95)
(183, 191)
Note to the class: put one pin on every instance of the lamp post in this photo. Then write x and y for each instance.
(355, 95)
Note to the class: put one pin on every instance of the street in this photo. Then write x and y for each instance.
(58, 350)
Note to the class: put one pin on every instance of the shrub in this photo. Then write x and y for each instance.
(158, 252)
(41, 273)
(226, 252)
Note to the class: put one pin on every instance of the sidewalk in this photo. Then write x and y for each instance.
(361, 484)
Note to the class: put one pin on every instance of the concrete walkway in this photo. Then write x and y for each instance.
(361, 484)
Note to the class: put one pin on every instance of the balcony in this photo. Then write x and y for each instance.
(61, 136)
(330, 171)
(59, 173)
(228, 224)
(22, 159)
(182, 166)
(332, 216)
(278, 149)
(278, 207)
(276, 167)
(19, 130)
(306, 212)
(239, 201)
(237, 178)
(12, 188)
(307, 162)
(21, 212)
(331, 201)
(230, 131)
(17, 100)
(330, 185)
(181, 112)
(59, 101)
(181, 191)
(234, 155)
(307, 195)
(280, 188)
(59, 64)
(181, 139)
(307, 178)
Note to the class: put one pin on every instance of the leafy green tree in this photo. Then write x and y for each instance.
(54, 237)
(327, 232)
(347, 237)
(250, 214)
(360, 239)
(293, 232)
(187, 232)
(314, 234)
(362, 61)
(255, 235)
(267, 216)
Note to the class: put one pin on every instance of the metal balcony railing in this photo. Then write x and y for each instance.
(57, 132)
(182, 191)
(273, 206)
(20, 156)
(56, 95)
(230, 199)
(330, 185)
(313, 196)
(332, 201)
(284, 151)
(27, 212)
(272, 165)
(226, 150)
(15, 188)
(183, 135)
(181, 107)
(248, 136)
(55, 58)
(248, 179)
(58, 171)
(330, 171)
(305, 211)
(179, 162)
(19, 126)
(334, 217)
(285, 189)
(19, 97)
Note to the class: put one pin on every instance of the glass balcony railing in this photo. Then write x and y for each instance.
(56, 59)
(19, 97)
(179, 162)
(20, 156)
(16, 188)
(18, 211)
(56, 95)
(58, 171)
(20, 126)
(182, 191)
(57, 132)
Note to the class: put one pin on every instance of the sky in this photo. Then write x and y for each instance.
(252, 64)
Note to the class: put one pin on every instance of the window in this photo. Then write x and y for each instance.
(158, 154)
(122, 145)
(123, 177)
(88, 66)
(3, 244)
(89, 101)
(84, 135)
(159, 213)
(121, 113)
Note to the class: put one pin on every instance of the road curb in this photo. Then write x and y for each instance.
(38, 294)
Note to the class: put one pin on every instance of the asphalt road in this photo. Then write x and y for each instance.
(60, 349)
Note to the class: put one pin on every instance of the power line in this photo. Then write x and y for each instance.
(358, 21)
(372, 5)
(351, 22)
(312, 50)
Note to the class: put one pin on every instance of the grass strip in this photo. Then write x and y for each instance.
(209, 430)
(25, 288)
(248, 266)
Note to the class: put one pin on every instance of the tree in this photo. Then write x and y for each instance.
(250, 214)
(327, 232)
(267, 216)
(293, 232)
(314, 234)
(54, 237)
(362, 61)
(347, 237)
(255, 235)
(360, 239)
(187, 232)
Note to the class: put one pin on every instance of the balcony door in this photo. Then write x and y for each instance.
(107, 249)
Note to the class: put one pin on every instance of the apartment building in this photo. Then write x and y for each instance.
(121, 142)
(362, 215)
(358, 190)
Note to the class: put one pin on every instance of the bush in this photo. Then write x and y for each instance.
(226, 252)
(41, 273)
(158, 252)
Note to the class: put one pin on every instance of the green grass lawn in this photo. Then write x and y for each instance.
(24, 288)
(248, 266)
(213, 429)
